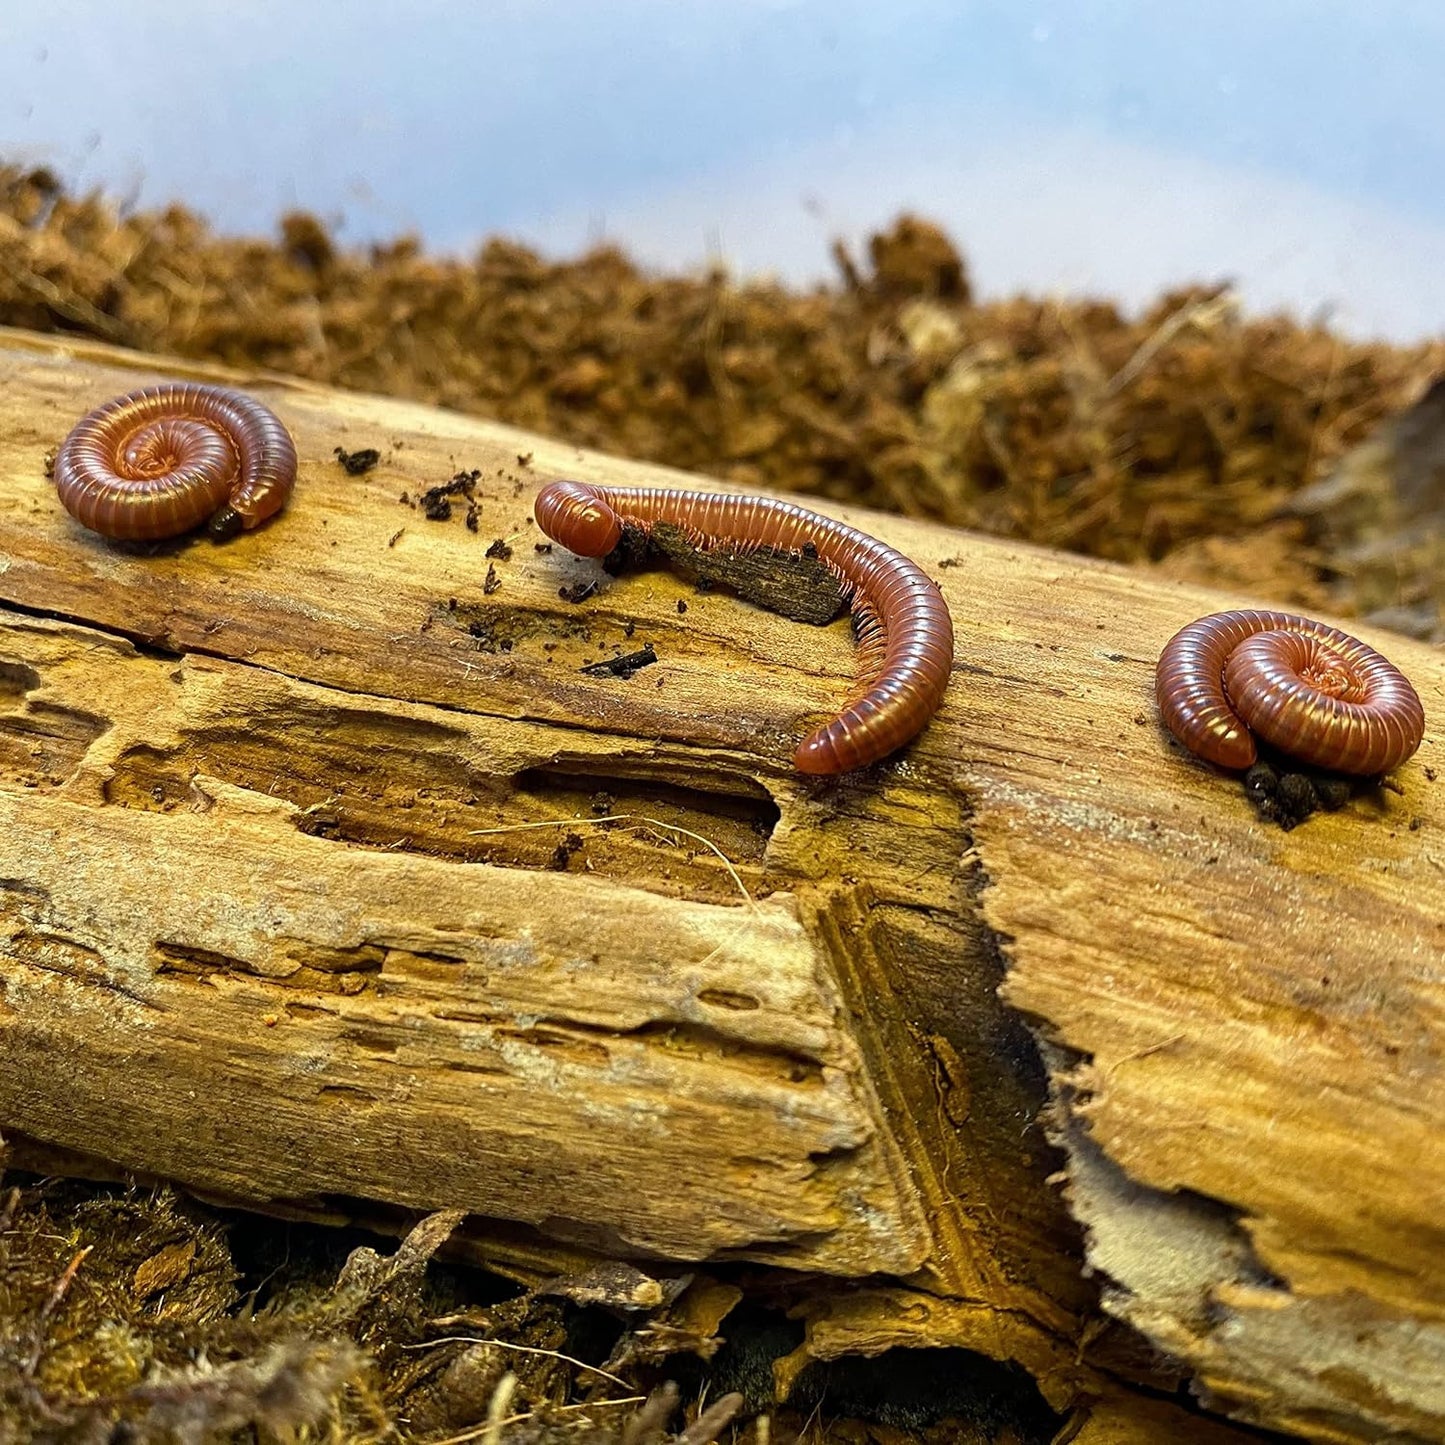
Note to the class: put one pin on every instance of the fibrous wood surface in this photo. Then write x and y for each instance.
(280, 923)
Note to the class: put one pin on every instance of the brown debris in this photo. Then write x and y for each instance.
(436, 502)
(915, 258)
(357, 463)
(613, 1284)
(624, 666)
(562, 854)
(794, 585)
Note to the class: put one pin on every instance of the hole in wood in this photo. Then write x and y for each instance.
(379, 780)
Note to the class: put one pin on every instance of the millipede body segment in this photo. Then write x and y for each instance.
(905, 635)
(158, 462)
(1308, 689)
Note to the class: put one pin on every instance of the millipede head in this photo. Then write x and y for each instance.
(226, 522)
(575, 515)
(817, 756)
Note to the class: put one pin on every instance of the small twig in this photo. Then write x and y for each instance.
(1063, 316)
(1200, 312)
(647, 1425)
(1137, 1054)
(636, 819)
(12, 1203)
(522, 1350)
(1317, 426)
(814, 1416)
(57, 1294)
(624, 666)
(497, 1408)
(711, 1423)
(69, 305)
(468, 1435)
(1071, 1427)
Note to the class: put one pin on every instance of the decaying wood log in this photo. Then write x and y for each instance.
(331, 881)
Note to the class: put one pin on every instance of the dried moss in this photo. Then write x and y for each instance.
(121, 1317)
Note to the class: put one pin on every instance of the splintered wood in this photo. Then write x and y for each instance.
(332, 880)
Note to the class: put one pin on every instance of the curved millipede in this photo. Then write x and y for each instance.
(157, 462)
(1310, 690)
(905, 635)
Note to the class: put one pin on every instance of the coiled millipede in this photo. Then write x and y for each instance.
(904, 632)
(158, 462)
(1310, 690)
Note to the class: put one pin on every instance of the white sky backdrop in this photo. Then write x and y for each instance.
(1109, 146)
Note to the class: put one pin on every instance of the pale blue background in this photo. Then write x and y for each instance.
(1114, 146)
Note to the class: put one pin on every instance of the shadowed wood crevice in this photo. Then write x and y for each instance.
(369, 778)
(307, 968)
(798, 587)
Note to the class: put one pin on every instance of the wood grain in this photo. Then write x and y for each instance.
(262, 936)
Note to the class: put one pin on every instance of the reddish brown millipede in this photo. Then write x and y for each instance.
(905, 635)
(157, 462)
(1310, 690)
